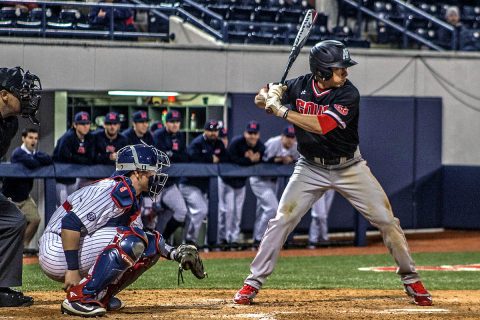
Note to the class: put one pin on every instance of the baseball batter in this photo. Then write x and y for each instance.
(95, 244)
(325, 111)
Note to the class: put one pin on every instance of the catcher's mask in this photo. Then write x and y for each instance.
(26, 87)
(329, 54)
(142, 157)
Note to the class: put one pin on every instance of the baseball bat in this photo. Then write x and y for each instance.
(300, 39)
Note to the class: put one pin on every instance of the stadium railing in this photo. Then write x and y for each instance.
(51, 28)
(63, 170)
(403, 29)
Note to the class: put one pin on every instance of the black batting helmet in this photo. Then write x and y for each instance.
(329, 54)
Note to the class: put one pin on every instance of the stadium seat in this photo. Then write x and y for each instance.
(266, 14)
(221, 9)
(241, 13)
(290, 15)
(319, 33)
(8, 16)
(157, 25)
(238, 32)
(70, 15)
(342, 32)
(470, 40)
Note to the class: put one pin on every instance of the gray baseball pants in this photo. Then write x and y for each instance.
(318, 230)
(264, 189)
(230, 207)
(197, 205)
(174, 206)
(354, 181)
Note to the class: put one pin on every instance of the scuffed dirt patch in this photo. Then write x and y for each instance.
(270, 305)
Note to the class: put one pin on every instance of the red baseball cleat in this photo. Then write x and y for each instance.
(245, 295)
(419, 294)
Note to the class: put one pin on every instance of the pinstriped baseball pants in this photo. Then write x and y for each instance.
(51, 256)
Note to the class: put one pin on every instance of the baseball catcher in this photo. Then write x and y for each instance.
(95, 243)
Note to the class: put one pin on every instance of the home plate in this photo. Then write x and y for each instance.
(423, 310)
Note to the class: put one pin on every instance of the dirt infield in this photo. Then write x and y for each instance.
(270, 305)
(289, 304)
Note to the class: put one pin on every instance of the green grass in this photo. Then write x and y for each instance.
(327, 272)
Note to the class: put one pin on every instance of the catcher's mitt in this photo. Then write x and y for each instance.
(188, 259)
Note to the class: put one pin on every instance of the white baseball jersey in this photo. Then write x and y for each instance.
(274, 148)
(101, 207)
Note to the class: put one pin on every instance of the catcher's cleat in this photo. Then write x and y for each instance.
(77, 308)
(419, 294)
(115, 304)
(245, 295)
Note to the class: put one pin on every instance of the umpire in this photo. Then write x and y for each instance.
(19, 94)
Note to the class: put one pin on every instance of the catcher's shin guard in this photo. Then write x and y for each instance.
(125, 250)
(149, 257)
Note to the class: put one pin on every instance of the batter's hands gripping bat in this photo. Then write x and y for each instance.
(302, 36)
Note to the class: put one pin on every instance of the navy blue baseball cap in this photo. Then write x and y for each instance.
(289, 131)
(140, 116)
(82, 118)
(173, 115)
(253, 127)
(156, 126)
(211, 125)
(222, 133)
(112, 118)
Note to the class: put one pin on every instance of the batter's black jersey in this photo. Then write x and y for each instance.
(342, 104)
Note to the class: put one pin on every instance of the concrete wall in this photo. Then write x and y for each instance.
(100, 66)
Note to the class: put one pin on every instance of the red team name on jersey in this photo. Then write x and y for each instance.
(310, 107)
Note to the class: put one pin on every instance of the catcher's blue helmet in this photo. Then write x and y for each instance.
(142, 157)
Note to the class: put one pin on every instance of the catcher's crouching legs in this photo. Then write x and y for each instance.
(156, 247)
(89, 298)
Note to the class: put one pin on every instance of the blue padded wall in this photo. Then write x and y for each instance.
(461, 201)
(427, 204)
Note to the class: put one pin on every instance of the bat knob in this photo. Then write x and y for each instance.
(268, 110)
